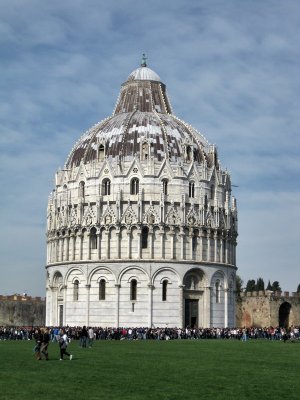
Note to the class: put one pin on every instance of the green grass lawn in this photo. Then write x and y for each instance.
(158, 370)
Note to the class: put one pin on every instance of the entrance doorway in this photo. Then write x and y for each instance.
(191, 313)
(284, 314)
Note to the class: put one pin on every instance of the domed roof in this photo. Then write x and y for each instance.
(143, 74)
(142, 114)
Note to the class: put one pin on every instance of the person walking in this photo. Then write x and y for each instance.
(91, 336)
(45, 343)
(63, 344)
(38, 342)
(83, 336)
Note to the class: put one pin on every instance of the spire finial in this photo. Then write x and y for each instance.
(144, 60)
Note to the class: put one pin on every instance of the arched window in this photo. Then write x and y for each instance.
(134, 186)
(106, 187)
(101, 152)
(81, 189)
(194, 243)
(212, 192)
(145, 149)
(145, 232)
(192, 189)
(205, 200)
(189, 154)
(218, 292)
(133, 289)
(165, 186)
(102, 287)
(76, 290)
(93, 237)
(164, 290)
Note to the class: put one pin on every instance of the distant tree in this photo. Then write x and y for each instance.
(260, 284)
(269, 287)
(238, 284)
(276, 287)
(298, 288)
(251, 286)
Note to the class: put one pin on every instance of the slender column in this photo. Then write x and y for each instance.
(191, 245)
(99, 245)
(225, 307)
(216, 246)
(88, 287)
(162, 244)
(181, 307)
(67, 247)
(207, 306)
(73, 246)
(151, 242)
(226, 250)
(118, 244)
(56, 248)
(150, 305)
(172, 236)
(129, 244)
(201, 245)
(107, 244)
(65, 297)
(89, 246)
(80, 237)
(117, 285)
(208, 245)
(221, 249)
(139, 244)
(181, 234)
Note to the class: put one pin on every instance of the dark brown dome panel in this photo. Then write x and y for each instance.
(142, 118)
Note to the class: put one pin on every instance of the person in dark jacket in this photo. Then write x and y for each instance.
(45, 343)
(83, 336)
(38, 337)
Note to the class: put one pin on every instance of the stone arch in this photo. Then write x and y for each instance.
(98, 271)
(219, 275)
(57, 280)
(165, 269)
(127, 269)
(74, 272)
(284, 314)
(135, 309)
(194, 279)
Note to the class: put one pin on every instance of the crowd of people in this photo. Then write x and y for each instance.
(87, 335)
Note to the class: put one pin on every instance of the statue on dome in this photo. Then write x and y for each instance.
(144, 60)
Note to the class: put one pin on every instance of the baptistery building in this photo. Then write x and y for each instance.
(142, 224)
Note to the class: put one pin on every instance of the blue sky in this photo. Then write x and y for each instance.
(231, 70)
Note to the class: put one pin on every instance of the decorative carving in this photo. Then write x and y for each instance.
(129, 216)
(151, 216)
(89, 217)
(109, 216)
(173, 217)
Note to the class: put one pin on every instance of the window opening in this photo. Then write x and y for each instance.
(102, 287)
(133, 289)
(191, 189)
(164, 290)
(76, 290)
(106, 187)
(145, 232)
(134, 187)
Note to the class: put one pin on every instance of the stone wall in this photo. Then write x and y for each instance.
(261, 309)
(22, 311)
(258, 309)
